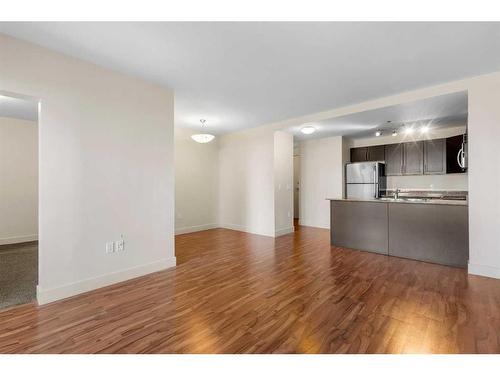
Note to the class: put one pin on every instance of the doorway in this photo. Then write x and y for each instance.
(18, 200)
(296, 185)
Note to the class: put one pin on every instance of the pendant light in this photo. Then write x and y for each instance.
(202, 137)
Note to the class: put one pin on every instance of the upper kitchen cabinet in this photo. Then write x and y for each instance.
(394, 159)
(372, 153)
(359, 154)
(376, 153)
(413, 158)
(435, 156)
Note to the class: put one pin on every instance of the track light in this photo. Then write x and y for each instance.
(409, 130)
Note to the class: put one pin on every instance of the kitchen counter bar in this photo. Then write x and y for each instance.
(434, 231)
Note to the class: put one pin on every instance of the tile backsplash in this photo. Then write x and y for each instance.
(451, 182)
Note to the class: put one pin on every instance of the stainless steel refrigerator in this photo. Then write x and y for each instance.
(365, 180)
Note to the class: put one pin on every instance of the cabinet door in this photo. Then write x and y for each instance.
(359, 154)
(394, 159)
(435, 156)
(376, 153)
(413, 158)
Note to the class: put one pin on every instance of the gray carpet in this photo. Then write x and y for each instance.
(18, 274)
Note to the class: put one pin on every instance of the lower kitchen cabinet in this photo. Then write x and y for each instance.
(429, 232)
(349, 219)
(436, 233)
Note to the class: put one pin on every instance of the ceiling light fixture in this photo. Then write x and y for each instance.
(424, 129)
(308, 130)
(378, 133)
(202, 137)
(394, 133)
(409, 130)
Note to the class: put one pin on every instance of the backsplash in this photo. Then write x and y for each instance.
(457, 182)
(448, 194)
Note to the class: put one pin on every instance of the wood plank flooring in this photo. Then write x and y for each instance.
(234, 292)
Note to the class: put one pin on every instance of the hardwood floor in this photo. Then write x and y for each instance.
(234, 292)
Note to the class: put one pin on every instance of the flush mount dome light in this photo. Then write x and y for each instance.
(394, 133)
(308, 129)
(202, 137)
(378, 133)
(424, 129)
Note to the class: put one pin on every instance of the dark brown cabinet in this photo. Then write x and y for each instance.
(372, 153)
(435, 233)
(413, 158)
(359, 154)
(394, 159)
(435, 156)
(376, 153)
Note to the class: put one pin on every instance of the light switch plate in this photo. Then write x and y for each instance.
(110, 247)
(120, 244)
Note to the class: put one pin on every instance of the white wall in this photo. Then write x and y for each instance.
(18, 180)
(484, 176)
(105, 168)
(196, 179)
(283, 183)
(246, 181)
(425, 182)
(321, 171)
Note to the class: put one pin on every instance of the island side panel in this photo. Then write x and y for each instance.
(428, 232)
(359, 225)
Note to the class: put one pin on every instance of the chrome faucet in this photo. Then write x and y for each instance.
(396, 193)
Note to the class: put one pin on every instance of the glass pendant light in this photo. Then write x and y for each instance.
(202, 137)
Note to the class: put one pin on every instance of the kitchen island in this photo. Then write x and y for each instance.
(433, 230)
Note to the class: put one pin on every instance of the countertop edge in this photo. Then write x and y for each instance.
(434, 202)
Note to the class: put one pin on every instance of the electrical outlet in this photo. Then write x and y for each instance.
(110, 247)
(120, 245)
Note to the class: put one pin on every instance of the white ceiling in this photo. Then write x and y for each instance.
(18, 108)
(439, 112)
(240, 75)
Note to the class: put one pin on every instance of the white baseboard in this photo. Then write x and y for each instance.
(283, 231)
(53, 294)
(313, 225)
(19, 239)
(482, 270)
(195, 228)
(242, 228)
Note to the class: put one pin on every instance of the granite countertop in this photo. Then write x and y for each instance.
(450, 202)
